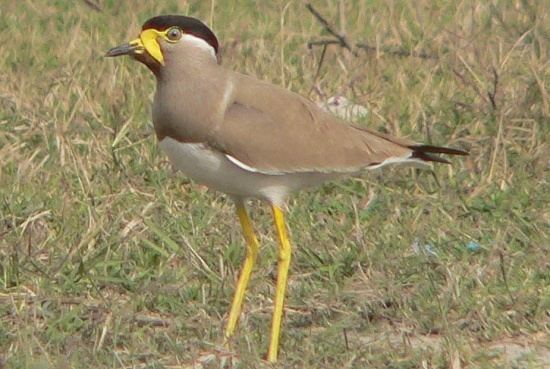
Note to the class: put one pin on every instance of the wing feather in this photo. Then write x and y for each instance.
(273, 130)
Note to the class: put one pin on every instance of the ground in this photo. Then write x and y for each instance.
(109, 259)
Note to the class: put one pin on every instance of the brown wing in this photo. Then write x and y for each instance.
(274, 130)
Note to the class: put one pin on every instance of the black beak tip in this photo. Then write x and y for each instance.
(120, 50)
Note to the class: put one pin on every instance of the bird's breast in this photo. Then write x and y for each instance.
(183, 116)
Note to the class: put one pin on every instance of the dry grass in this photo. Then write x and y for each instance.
(108, 259)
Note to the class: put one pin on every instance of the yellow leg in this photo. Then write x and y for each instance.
(252, 247)
(282, 275)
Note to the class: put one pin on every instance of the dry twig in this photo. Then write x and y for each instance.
(93, 5)
(342, 41)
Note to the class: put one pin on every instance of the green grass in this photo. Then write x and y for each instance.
(108, 259)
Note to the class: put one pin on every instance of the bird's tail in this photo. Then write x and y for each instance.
(419, 154)
(425, 153)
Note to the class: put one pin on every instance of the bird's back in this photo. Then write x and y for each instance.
(275, 130)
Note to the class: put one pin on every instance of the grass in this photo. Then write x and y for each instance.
(109, 259)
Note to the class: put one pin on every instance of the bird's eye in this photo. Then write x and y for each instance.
(174, 34)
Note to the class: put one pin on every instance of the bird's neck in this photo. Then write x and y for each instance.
(190, 100)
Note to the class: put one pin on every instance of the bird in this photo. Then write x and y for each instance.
(251, 139)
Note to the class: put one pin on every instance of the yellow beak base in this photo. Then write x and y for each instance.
(148, 41)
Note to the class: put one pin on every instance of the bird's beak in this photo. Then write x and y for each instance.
(127, 49)
(147, 42)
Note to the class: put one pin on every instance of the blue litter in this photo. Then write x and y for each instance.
(473, 246)
(425, 249)
(430, 250)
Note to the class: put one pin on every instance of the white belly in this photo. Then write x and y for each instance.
(215, 170)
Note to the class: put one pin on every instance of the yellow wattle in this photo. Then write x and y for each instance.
(149, 40)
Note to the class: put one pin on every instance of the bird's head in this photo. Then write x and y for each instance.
(169, 38)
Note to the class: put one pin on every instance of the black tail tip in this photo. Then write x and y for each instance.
(424, 153)
(439, 150)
